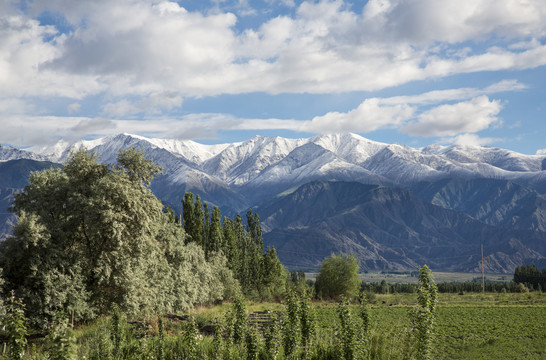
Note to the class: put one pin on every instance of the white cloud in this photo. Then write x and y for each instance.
(437, 96)
(456, 122)
(470, 139)
(325, 47)
(399, 112)
(142, 58)
(541, 152)
(164, 100)
(369, 116)
(452, 119)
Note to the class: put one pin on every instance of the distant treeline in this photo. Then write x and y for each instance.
(445, 287)
(531, 276)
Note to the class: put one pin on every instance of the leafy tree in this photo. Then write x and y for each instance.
(215, 233)
(273, 275)
(338, 276)
(91, 235)
(259, 273)
(188, 215)
(347, 331)
(531, 275)
(308, 325)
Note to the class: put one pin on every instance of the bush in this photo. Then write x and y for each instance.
(338, 276)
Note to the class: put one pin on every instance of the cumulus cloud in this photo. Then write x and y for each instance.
(145, 64)
(409, 113)
(120, 108)
(369, 116)
(541, 152)
(324, 47)
(452, 119)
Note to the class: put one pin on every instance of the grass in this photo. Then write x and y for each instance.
(469, 326)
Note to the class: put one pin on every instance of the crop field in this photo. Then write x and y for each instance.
(471, 326)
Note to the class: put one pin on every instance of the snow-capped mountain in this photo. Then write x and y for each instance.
(417, 198)
(10, 153)
(275, 164)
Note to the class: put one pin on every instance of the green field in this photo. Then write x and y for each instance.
(469, 326)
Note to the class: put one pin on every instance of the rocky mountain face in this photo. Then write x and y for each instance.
(389, 228)
(394, 206)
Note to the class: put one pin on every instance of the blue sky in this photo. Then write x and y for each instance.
(413, 72)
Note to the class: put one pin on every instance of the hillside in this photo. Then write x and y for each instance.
(389, 228)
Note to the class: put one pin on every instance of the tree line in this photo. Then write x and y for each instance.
(91, 236)
(260, 273)
(531, 276)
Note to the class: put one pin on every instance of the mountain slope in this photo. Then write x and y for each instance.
(11, 153)
(495, 202)
(464, 193)
(388, 229)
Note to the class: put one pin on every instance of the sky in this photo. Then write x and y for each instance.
(415, 72)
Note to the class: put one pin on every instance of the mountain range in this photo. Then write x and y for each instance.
(394, 206)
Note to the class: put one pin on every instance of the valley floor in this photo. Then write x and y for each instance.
(469, 326)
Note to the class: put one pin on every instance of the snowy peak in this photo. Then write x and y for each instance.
(265, 160)
(351, 147)
(500, 158)
(10, 153)
(240, 163)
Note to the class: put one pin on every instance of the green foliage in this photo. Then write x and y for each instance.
(260, 274)
(347, 334)
(218, 341)
(338, 276)
(14, 323)
(252, 344)
(60, 341)
(308, 326)
(139, 169)
(89, 236)
(272, 337)
(117, 330)
(299, 284)
(423, 317)
(498, 326)
(531, 275)
(365, 316)
(240, 321)
(190, 340)
(291, 327)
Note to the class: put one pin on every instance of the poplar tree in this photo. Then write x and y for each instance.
(198, 222)
(188, 216)
(215, 233)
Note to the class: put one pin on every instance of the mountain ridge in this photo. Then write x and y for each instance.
(500, 192)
